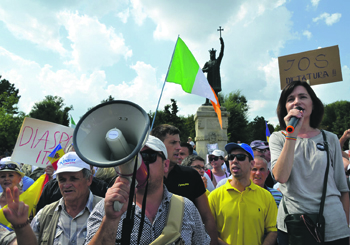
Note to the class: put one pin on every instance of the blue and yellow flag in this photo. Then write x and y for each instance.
(55, 155)
(267, 132)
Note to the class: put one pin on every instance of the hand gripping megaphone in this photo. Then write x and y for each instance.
(112, 135)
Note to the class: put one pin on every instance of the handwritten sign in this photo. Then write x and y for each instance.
(318, 66)
(37, 139)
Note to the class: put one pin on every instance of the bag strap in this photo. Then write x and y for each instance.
(320, 213)
(325, 143)
(172, 229)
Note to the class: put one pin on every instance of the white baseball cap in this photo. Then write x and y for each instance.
(218, 153)
(70, 162)
(157, 145)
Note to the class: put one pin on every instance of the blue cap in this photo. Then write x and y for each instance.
(232, 146)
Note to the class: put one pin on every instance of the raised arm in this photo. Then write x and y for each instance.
(221, 50)
(107, 229)
(283, 167)
(17, 214)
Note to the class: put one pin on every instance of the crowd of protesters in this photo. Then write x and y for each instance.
(238, 195)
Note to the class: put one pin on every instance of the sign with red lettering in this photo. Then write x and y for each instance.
(319, 66)
(37, 139)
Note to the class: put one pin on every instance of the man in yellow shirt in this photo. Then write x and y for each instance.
(242, 210)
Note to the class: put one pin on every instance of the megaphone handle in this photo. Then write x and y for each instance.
(117, 205)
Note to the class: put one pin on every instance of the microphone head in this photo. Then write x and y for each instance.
(299, 108)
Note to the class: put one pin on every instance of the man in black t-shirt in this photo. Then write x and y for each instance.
(185, 181)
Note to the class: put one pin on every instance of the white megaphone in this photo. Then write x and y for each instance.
(112, 135)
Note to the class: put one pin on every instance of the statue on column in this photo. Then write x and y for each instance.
(212, 67)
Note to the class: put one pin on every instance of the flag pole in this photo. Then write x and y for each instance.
(161, 93)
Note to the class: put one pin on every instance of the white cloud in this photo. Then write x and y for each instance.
(94, 45)
(35, 82)
(315, 2)
(124, 15)
(308, 34)
(142, 90)
(329, 19)
(40, 29)
(138, 12)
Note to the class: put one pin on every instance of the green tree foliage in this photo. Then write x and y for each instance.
(10, 119)
(10, 125)
(9, 96)
(110, 98)
(277, 128)
(237, 105)
(51, 109)
(336, 117)
(169, 115)
(257, 129)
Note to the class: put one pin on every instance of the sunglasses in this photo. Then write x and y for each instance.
(150, 156)
(199, 167)
(260, 150)
(240, 157)
(213, 158)
(11, 166)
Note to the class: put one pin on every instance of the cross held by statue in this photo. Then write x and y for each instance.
(220, 30)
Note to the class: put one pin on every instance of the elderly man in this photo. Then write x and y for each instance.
(243, 210)
(261, 149)
(64, 221)
(105, 224)
(259, 174)
(182, 180)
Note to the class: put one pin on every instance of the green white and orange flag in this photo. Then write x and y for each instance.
(72, 123)
(30, 197)
(184, 70)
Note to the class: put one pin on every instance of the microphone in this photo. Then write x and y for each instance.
(293, 122)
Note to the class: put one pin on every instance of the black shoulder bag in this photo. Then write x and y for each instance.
(308, 228)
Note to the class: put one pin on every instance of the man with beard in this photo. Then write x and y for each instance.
(182, 180)
(105, 224)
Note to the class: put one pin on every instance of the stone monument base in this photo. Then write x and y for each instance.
(208, 129)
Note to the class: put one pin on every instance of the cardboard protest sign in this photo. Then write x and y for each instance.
(318, 66)
(37, 139)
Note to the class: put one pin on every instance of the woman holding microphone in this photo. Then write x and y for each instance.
(299, 162)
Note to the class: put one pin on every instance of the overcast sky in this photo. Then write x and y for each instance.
(85, 51)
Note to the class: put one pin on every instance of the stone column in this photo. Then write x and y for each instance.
(208, 129)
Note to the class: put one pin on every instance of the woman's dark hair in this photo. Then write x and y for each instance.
(317, 110)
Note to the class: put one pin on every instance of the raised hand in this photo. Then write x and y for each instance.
(16, 212)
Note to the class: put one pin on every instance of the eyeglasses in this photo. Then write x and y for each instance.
(150, 156)
(214, 158)
(260, 150)
(199, 167)
(11, 166)
(240, 157)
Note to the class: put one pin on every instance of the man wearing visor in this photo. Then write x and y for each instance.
(241, 209)
(105, 224)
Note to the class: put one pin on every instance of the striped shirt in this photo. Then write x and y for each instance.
(276, 195)
(192, 230)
